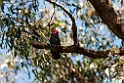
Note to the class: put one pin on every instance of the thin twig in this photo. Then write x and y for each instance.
(50, 21)
(51, 17)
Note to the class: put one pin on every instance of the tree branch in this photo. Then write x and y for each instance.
(78, 49)
(109, 17)
(74, 27)
(78, 74)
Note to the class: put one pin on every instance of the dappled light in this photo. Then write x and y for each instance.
(87, 46)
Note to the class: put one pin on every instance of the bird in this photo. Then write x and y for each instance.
(54, 39)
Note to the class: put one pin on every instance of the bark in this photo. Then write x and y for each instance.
(109, 17)
(78, 49)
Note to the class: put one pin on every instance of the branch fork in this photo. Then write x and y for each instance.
(76, 48)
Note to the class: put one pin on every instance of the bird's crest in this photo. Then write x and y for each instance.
(55, 32)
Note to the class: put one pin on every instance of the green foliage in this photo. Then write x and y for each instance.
(25, 20)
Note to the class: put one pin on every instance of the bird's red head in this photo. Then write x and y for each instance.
(55, 32)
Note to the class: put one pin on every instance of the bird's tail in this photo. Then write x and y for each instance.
(56, 55)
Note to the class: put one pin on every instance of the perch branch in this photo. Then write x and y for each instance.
(74, 27)
(78, 49)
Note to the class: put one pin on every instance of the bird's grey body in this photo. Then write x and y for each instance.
(54, 39)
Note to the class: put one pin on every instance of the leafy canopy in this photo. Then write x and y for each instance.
(22, 21)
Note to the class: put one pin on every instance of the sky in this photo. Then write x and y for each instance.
(22, 77)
